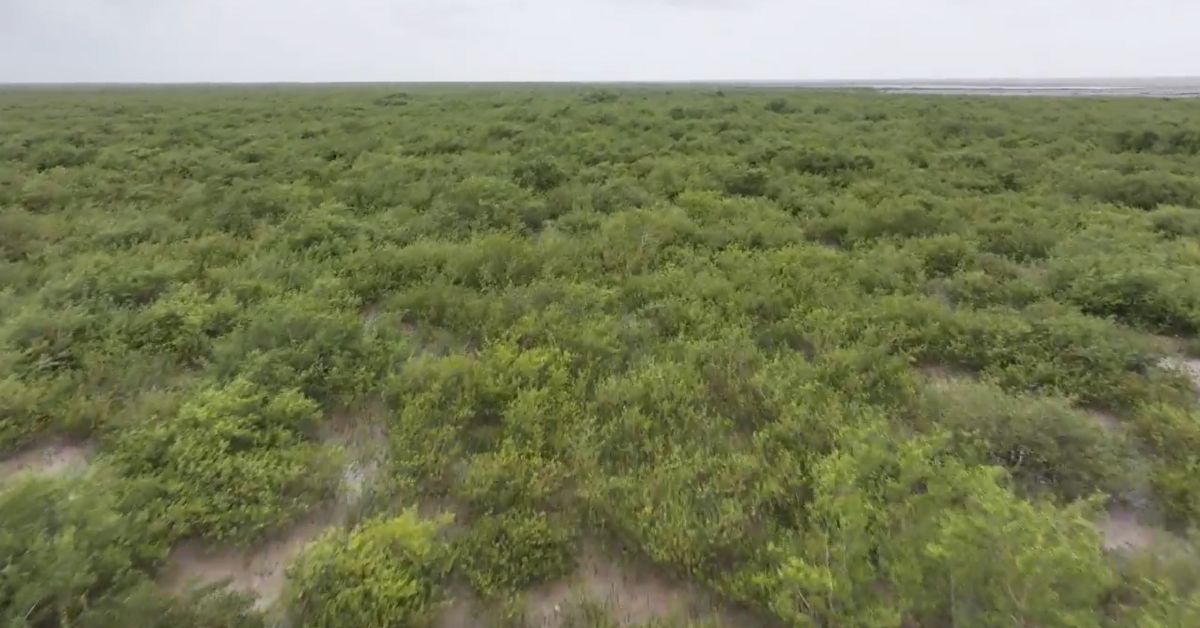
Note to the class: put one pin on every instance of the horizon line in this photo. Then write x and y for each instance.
(733, 81)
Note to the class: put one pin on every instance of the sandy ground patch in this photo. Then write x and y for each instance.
(938, 375)
(1186, 366)
(260, 571)
(360, 432)
(1106, 421)
(1192, 367)
(1124, 530)
(49, 459)
(464, 609)
(632, 595)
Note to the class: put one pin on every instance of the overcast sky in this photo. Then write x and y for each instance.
(550, 40)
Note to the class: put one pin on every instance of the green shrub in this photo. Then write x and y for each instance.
(1156, 298)
(480, 202)
(909, 536)
(779, 105)
(1044, 443)
(693, 324)
(823, 163)
(509, 478)
(1146, 190)
(183, 324)
(1176, 222)
(396, 99)
(25, 411)
(1159, 587)
(440, 401)
(47, 342)
(1136, 141)
(235, 463)
(946, 254)
(386, 572)
(24, 235)
(600, 96)
(993, 287)
(68, 547)
(147, 605)
(509, 552)
(300, 342)
(539, 174)
(901, 218)
(746, 181)
(1020, 242)
(1179, 142)
(77, 552)
(1174, 435)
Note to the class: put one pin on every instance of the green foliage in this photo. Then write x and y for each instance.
(64, 546)
(690, 323)
(386, 572)
(539, 174)
(507, 553)
(1174, 434)
(1159, 588)
(779, 105)
(1143, 190)
(183, 324)
(75, 553)
(299, 342)
(235, 463)
(1185, 142)
(1152, 297)
(1176, 222)
(910, 536)
(1044, 443)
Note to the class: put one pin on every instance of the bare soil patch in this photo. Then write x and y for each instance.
(939, 375)
(464, 610)
(1187, 366)
(260, 572)
(59, 458)
(360, 432)
(631, 594)
(1192, 367)
(1106, 421)
(1124, 530)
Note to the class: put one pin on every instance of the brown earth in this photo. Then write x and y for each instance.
(59, 458)
(631, 594)
(1124, 530)
(260, 571)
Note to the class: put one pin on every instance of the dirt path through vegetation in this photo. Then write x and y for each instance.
(260, 572)
(464, 610)
(58, 458)
(631, 595)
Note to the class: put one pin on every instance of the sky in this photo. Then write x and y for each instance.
(592, 40)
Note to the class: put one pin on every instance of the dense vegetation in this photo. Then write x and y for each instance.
(839, 358)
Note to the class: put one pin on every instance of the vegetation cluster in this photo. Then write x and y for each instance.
(843, 359)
